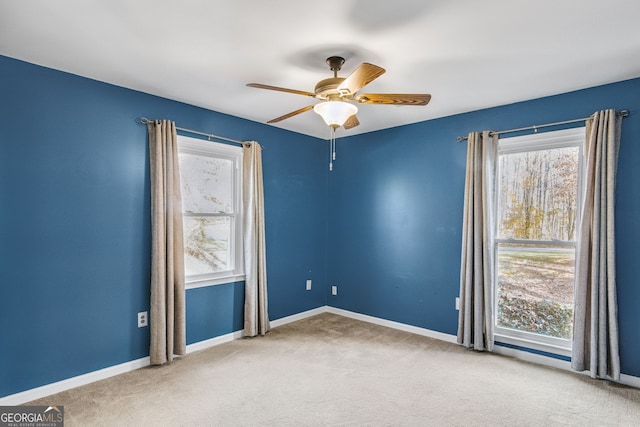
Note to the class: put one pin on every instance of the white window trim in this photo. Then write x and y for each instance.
(216, 149)
(573, 137)
(533, 341)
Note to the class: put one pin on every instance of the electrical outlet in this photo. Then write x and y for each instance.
(334, 290)
(143, 319)
(308, 284)
(457, 303)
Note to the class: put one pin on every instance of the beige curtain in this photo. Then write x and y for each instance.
(595, 330)
(475, 318)
(167, 316)
(256, 316)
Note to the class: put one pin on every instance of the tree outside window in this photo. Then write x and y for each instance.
(537, 188)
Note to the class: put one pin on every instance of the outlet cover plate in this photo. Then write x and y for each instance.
(143, 319)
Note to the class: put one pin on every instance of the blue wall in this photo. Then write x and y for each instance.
(74, 220)
(74, 224)
(396, 219)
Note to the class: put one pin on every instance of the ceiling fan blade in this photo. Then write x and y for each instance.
(394, 98)
(293, 113)
(351, 122)
(360, 77)
(282, 89)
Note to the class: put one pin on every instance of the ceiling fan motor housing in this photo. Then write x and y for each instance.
(328, 87)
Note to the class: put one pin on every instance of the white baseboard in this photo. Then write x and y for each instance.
(394, 325)
(625, 379)
(212, 342)
(201, 345)
(630, 380)
(60, 386)
(515, 353)
(299, 316)
(57, 387)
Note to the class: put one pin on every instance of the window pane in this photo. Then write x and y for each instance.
(535, 289)
(207, 184)
(207, 245)
(538, 192)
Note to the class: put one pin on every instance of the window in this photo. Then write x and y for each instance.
(212, 211)
(538, 183)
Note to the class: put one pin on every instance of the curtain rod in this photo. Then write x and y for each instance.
(144, 121)
(623, 113)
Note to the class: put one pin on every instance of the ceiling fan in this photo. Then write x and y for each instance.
(340, 93)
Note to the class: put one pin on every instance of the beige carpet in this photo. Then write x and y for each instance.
(333, 371)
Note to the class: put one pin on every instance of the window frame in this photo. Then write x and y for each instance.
(200, 147)
(572, 137)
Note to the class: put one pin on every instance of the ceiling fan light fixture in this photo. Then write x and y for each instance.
(335, 113)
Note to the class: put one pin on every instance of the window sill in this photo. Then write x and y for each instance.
(213, 282)
(533, 341)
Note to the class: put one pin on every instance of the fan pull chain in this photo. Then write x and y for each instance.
(332, 152)
(334, 145)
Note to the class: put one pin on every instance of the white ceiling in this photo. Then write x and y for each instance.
(468, 54)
